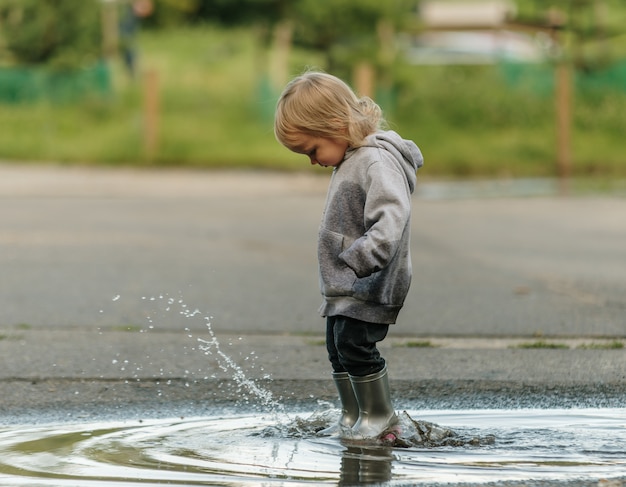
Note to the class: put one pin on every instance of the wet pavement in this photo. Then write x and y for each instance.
(102, 271)
(136, 301)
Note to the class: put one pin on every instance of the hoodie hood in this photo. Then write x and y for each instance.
(405, 152)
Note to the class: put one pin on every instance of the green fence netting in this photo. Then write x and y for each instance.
(22, 85)
(539, 78)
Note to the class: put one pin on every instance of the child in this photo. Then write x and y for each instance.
(363, 244)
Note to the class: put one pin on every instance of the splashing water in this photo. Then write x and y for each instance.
(413, 432)
(161, 308)
(226, 363)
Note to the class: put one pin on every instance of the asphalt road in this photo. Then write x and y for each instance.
(241, 248)
(110, 277)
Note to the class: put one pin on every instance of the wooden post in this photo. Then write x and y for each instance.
(563, 103)
(110, 29)
(564, 122)
(364, 79)
(279, 64)
(151, 113)
(386, 37)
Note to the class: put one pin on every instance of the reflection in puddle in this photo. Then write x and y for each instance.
(246, 450)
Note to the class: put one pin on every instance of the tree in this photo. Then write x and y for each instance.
(347, 31)
(62, 34)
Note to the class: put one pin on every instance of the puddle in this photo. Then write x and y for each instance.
(245, 450)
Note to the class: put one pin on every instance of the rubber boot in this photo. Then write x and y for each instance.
(376, 414)
(349, 406)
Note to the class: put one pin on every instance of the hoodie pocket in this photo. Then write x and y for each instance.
(336, 277)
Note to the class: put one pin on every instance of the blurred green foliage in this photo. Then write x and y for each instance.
(217, 89)
(216, 111)
(224, 12)
(347, 32)
(62, 34)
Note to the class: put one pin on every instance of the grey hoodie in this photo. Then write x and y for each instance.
(363, 246)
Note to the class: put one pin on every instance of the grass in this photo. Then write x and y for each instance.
(612, 345)
(541, 344)
(417, 344)
(216, 102)
(128, 328)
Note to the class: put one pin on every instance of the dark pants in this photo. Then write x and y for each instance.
(351, 345)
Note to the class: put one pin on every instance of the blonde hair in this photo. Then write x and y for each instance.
(322, 105)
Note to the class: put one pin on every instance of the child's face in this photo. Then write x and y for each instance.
(320, 150)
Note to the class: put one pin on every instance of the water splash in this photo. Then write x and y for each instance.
(161, 308)
(227, 364)
(411, 432)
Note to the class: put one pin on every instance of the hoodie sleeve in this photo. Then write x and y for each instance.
(386, 216)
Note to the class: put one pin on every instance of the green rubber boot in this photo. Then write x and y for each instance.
(376, 414)
(349, 405)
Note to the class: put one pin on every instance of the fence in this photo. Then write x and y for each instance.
(539, 78)
(23, 85)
